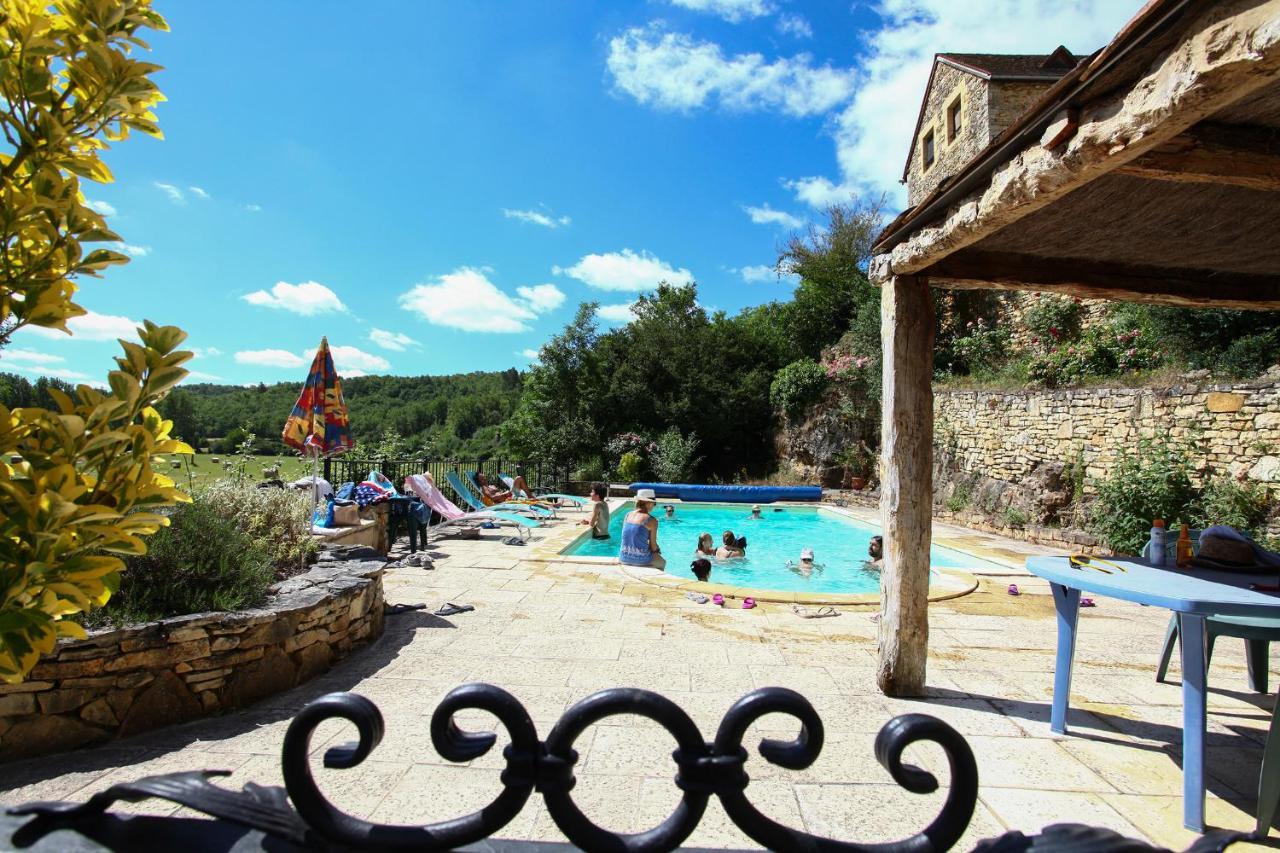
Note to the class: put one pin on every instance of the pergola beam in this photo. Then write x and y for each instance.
(1202, 75)
(1214, 154)
(979, 270)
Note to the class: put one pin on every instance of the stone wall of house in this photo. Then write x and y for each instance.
(1010, 99)
(1010, 435)
(123, 681)
(951, 156)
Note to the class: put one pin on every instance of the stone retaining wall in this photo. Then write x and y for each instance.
(1006, 435)
(123, 681)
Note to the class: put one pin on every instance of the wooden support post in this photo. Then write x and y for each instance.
(906, 482)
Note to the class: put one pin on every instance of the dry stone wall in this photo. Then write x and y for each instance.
(123, 681)
(1007, 435)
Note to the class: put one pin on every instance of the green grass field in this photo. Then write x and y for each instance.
(195, 472)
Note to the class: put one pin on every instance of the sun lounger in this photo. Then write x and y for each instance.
(478, 491)
(452, 515)
(469, 497)
(560, 496)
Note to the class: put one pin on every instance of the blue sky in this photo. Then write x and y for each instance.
(436, 186)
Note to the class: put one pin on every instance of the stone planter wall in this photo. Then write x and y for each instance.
(123, 681)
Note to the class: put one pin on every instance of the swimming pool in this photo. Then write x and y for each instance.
(839, 543)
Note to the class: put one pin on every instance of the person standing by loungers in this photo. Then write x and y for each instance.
(599, 520)
(640, 534)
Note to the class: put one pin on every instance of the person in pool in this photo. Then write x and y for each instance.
(732, 546)
(806, 566)
(875, 550)
(599, 520)
(706, 546)
(670, 511)
(755, 513)
(640, 534)
(701, 569)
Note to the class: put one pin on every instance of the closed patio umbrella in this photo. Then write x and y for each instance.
(318, 425)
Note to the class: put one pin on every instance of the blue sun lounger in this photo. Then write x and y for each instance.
(560, 496)
(468, 497)
(477, 491)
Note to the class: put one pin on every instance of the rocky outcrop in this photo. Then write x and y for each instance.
(123, 681)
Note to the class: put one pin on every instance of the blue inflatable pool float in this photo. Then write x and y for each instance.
(732, 494)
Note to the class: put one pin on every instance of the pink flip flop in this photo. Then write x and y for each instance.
(1013, 589)
(717, 600)
(1087, 602)
(748, 603)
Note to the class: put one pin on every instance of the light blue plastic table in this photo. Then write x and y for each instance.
(1192, 594)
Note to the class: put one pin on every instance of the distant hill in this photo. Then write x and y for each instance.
(436, 415)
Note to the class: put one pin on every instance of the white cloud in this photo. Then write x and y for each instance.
(271, 358)
(201, 376)
(253, 208)
(100, 207)
(757, 273)
(794, 25)
(347, 360)
(731, 10)
(673, 71)
(542, 298)
(873, 131)
(175, 195)
(537, 217)
(766, 215)
(625, 270)
(466, 299)
(352, 361)
(620, 313)
(201, 352)
(397, 341)
(93, 327)
(308, 299)
(198, 192)
(57, 373)
(131, 250)
(9, 355)
(531, 354)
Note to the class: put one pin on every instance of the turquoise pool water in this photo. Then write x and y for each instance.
(839, 544)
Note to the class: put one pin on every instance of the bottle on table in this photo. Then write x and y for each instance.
(1184, 547)
(1156, 546)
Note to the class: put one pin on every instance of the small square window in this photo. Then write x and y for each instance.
(926, 150)
(955, 120)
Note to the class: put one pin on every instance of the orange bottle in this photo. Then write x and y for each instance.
(1184, 548)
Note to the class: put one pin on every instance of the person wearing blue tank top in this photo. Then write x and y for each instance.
(640, 534)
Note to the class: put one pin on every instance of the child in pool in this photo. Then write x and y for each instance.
(733, 546)
(806, 566)
(701, 569)
(755, 513)
(705, 547)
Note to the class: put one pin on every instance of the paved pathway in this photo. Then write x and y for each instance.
(553, 632)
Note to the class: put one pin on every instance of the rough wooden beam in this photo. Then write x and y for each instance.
(972, 270)
(1230, 51)
(1215, 154)
(906, 483)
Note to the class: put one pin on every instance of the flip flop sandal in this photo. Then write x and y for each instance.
(696, 597)
(748, 603)
(397, 609)
(717, 600)
(820, 613)
(1088, 602)
(513, 540)
(451, 609)
(1013, 589)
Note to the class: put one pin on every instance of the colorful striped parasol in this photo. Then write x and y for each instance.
(318, 425)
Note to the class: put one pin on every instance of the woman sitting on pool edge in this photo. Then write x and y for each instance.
(734, 546)
(640, 534)
(705, 548)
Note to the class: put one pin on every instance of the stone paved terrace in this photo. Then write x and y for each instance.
(554, 632)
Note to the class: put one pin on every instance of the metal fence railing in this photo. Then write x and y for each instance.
(347, 469)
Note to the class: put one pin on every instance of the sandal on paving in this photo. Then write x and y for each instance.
(717, 600)
(451, 609)
(513, 540)
(397, 609)
(696, 597)
(820, 613)
(748, 603)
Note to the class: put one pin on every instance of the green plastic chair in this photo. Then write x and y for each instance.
(1257, 634)
(1269, 778)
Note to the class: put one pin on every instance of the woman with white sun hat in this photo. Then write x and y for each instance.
(640, 534)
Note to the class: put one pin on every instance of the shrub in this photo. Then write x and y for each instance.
(1248, 356)
(277, 520)
(674, 460)
(1014, 517)
(630, 466)
(1054, 318)
(980, 351)
(592, 469)
(201, 561)
(797, 386)
(1244, 506)
(1152, 482)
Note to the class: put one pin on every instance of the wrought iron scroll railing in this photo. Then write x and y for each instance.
(300, 817)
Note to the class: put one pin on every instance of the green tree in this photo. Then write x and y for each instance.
(78, 486)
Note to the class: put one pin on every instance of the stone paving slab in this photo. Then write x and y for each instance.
(553, 632)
